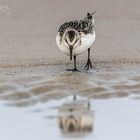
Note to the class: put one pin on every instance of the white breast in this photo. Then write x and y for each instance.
(86, 42)
(61, 46)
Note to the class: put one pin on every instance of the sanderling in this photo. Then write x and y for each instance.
(74, 37)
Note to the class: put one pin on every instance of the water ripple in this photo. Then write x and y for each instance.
(102, 84)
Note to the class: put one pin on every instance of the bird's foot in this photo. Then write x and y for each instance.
(89, 64)
(73, 70)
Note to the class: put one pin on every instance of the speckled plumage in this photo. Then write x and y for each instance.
(75, 37)
(84, 25)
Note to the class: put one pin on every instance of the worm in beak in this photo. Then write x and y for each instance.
(71, 49)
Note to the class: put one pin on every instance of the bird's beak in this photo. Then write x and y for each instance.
(71, 49)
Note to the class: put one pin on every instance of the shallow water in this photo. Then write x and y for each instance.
(45, 102)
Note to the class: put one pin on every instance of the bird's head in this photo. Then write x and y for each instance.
(71, 40)
(90, 17)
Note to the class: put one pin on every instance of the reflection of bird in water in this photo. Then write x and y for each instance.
(75, 118)
(75, 37)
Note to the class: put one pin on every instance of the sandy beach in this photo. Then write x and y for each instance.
(28, 30)
(39, 99)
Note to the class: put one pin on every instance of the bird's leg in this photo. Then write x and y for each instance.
(89, 64)
(75, 68)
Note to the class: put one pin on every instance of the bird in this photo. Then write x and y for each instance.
(76, 36)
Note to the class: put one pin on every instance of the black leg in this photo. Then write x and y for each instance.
(89, 64)
(75, 68)
(75, 62)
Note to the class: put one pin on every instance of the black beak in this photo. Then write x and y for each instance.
(71, 49)
(93, 13)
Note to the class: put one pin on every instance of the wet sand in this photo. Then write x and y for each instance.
(82, 105)
(20, 85)
(39, 98)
